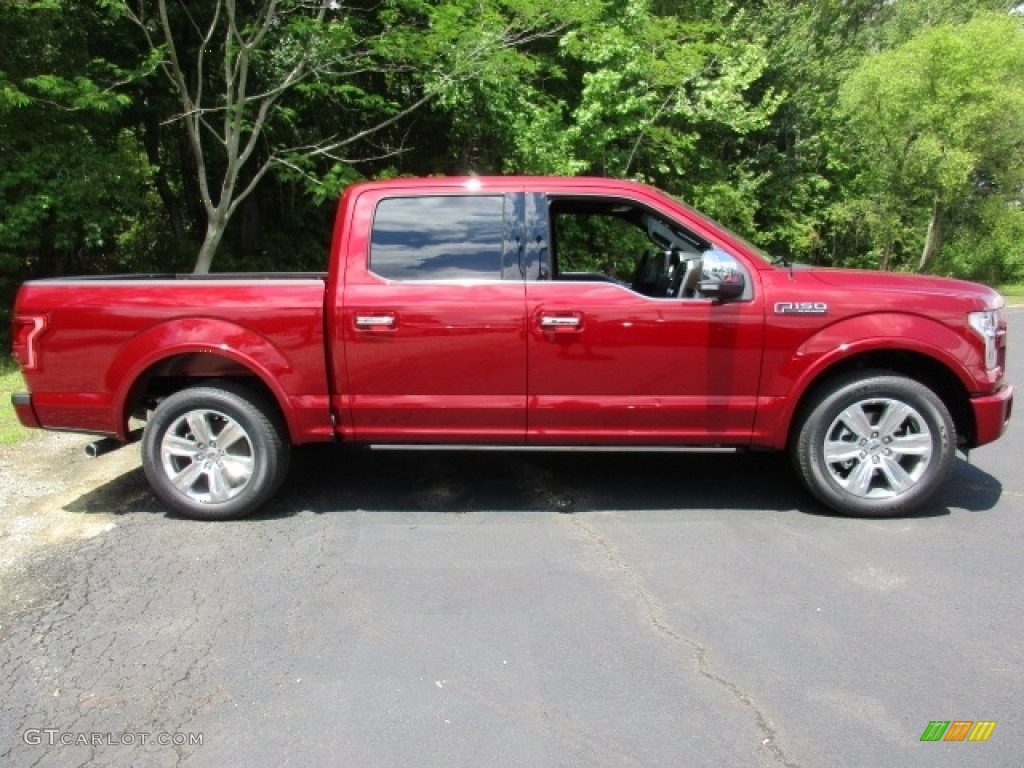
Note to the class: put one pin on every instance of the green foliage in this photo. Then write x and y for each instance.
(937, 121)
(989, 247)
(650, 87)
(797, 159)
(1013, 293)
(70, 176)
(906, 19)
(832, 132)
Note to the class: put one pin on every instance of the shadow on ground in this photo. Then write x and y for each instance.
(333, 479)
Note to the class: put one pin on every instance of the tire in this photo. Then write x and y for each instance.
(873, 444)
(215, 452)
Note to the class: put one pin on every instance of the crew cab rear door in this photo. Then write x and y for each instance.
(432, 320)
(620, 350)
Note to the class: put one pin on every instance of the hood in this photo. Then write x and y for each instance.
(874, 281)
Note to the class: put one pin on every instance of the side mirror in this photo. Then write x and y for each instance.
(725, 288)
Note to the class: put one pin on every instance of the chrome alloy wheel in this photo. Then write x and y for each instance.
(878, 448)
(207, 456)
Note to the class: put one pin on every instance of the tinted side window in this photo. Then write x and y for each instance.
(438, 238)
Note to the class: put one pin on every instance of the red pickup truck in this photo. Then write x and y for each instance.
(537, 312)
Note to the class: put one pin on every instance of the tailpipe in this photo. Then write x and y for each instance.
(108, 444)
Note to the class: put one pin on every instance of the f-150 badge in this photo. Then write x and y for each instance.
(801, 308)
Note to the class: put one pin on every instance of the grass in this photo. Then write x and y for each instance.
(1014, 294)
(11, 431)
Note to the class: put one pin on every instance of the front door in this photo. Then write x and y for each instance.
(623, 349)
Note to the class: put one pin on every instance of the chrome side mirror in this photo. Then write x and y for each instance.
(726, 288)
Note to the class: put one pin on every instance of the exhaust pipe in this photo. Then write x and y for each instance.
(108, 444)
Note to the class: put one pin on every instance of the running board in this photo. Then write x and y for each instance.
(554, 448)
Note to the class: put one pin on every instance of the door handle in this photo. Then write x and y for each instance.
(569, 322)
(371, 322)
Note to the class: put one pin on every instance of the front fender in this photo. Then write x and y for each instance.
(786, 382)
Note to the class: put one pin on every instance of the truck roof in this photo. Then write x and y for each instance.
(511, 183)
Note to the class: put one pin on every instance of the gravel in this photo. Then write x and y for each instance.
(41, 482)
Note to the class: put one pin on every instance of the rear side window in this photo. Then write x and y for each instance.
(438, 238)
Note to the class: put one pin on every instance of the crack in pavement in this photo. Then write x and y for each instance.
(654, 613)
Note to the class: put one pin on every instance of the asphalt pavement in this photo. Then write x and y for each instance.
(433, 608)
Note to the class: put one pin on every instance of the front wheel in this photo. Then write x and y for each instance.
(215, 452)
(874, 444)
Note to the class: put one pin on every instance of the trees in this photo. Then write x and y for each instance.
(663, 96)
(228, 68)
(938, 123)
(71, 182)
(797, 156)
(249, 76)
(154, 134)
(67, 174)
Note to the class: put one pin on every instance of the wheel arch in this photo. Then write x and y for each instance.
(177, 355)
(912, 364)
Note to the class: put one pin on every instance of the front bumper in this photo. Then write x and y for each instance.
(991, 415)
(22, 403)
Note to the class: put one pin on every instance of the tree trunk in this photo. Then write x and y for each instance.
(933, 238)
(216, 224)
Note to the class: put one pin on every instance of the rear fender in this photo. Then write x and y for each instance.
(206, 336)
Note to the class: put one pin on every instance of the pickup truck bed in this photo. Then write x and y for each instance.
(128, 334)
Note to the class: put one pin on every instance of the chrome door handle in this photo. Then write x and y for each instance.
(561, 321)
(375, 321)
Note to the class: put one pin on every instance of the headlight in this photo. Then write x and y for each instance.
(986, 324)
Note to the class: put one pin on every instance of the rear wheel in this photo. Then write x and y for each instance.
(215, 452)
(874, 444)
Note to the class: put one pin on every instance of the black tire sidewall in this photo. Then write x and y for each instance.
(810, 443)
(253, 414)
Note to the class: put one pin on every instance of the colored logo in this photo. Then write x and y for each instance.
(958, 730)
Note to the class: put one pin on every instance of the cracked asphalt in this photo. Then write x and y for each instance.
(431, 608)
